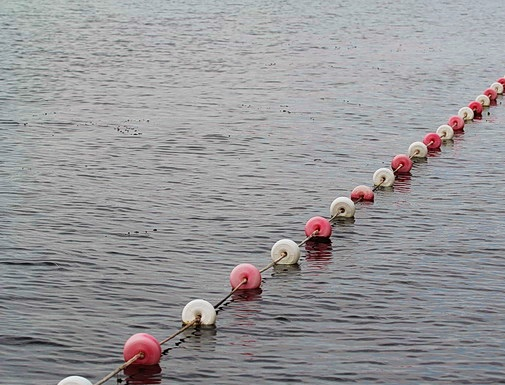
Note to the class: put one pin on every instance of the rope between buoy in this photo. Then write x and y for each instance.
(314, 233)
(196, 321)
(244, 281)
(273, 263)
(121, 367)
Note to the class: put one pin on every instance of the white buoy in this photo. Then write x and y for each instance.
(383, 177)
(417, 150)
(466, 113)
(75, 380)
(498, 87)
(484, 100)
(286, 247)
(199, 308)
(445, 132)
(342, 207)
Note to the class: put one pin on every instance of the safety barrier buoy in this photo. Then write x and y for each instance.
(75, 380)
(432, 141)
(491, 94)
(383, 177)
(342, 207)
(484, 100)
(286, 247)
(476, 107)
(144, 344)
(445, 132)
(417, 150)
(456, 122)
(362, 193)
(401, 164)
(320, 225)
(247, 272)
(201, 310)
(466, 113)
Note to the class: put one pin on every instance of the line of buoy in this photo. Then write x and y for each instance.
(144, 349)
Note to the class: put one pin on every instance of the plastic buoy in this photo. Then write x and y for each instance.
(75, 380)
(498, 87)
(362, 192)
(319, 224)
(288, 247)
(145, 343)
(342, 207)
(466, 113)
(383, 177)
(199, 308)
(247, 271)
(476, 107)
(401, 163)
(483, 100)
(432, 141)
(501, 81)
(456, 122)
(417, 150)
(445, 132)
(490, 93)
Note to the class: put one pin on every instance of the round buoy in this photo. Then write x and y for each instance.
(490, 93)
(476, 107)
(75, 380)
(417, 150)
(445, 132)
(287, 247)
(483, 100)
(432, 141)
(501, 81)
(319, 224)
(401, 164)
(247, 271)
(456, 122)
(383, 177)
(199, 308)
(362, 192)
(142, 343)
(498, 87)
(466, 113)
(342, 207)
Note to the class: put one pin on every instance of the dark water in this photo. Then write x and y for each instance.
(149, 147)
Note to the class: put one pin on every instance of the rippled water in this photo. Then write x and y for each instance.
(149, 147)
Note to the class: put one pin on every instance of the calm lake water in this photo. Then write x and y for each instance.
(148, 147)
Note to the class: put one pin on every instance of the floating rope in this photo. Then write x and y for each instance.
(144, 349)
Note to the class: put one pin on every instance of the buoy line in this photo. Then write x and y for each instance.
(144, 349)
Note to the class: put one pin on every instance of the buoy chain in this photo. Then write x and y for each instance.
(121, 367)
(243, 282)
(142, 348)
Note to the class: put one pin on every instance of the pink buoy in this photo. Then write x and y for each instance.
(432, 141)
(401, 164)
(456, 122)
(142, 343)
(247, 271)
(501, 81)
(490, 93)
(476, 107)
(362, 192)
(319, 224)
